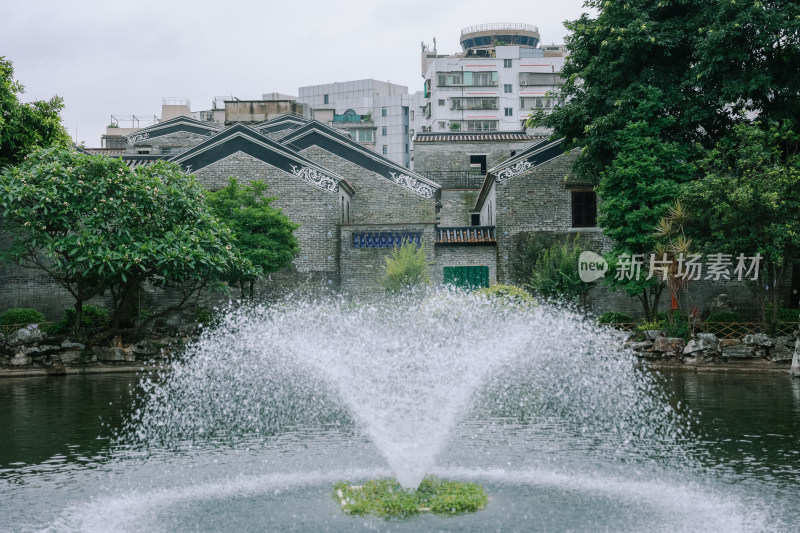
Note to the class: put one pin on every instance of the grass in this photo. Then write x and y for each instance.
(386, 497)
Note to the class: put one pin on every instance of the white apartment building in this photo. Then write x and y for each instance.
(501, 75)
(375, 113)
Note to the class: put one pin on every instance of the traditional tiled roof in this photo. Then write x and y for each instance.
(492, 136)
(241, 138)
(110, 152)
(173, 125)
(281, 125)
(317, 134)
(132, 160)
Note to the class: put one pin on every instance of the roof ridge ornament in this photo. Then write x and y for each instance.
(316, 178)
(412, 184)
(513, 170)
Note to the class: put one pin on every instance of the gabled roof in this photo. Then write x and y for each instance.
(240, 138)
(538, 154)
(317, 134)
(173, 125)
(132, 160)
(281, 124)
(491, 136)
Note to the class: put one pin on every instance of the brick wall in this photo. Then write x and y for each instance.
(453, 155)
(456, 205)
(456, 255)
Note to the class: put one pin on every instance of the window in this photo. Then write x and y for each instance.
(536, 102)
(507, 88)
(442, 125)
(478, 162)
(441, 101)
(405, 110)
(508, 111)
(383, 131)
(506, 63)
(412, 115)
(384, 150)
(472, 102)
(383, 111)
(475, 219)
(365, 136)
(481, 125)
(406, 147)
(325, 99)
(584, 209)
(467, 78)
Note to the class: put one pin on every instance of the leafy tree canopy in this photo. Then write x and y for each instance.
(93, 225)
(24, 126)
(262, 233)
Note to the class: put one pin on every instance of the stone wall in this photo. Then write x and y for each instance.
(317, 211)
(454, 155)
(456, 206)
(362, 268)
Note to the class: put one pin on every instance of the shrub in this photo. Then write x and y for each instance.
(405, 268)
(21, 315)
(615, 317)
(784, 315)
(92, 317)
(675, 324)
(507, 293)
(725, 316)
(652, 325)
(556, 273)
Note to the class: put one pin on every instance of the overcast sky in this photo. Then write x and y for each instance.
(107, 57)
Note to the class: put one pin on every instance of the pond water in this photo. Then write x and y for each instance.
(58, 471)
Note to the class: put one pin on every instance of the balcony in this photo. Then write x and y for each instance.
(456, 179)
(466, 235)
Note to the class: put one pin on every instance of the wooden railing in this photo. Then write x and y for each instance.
(724, 330)
(465, 235)
(8, 329)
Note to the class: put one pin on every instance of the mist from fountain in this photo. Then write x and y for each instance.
(405, 370)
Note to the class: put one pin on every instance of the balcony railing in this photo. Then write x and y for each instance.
(456, 179)
(465, 235)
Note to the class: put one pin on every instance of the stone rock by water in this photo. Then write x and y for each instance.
(704, 344)
(72, 345)
(670, 346)
(25, 336)
(36, 351)
(742, 351)
(20, 360)
(113, 353)
(144, 347)
(70, 356)
(640, 346)
(758, 339)
(653, 334)
(795, 370)
(780, 353)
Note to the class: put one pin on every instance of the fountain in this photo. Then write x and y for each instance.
(278, 403)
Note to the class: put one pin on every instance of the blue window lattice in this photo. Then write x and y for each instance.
(385, 239)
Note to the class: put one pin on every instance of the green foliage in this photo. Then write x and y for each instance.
(262, 233)
(651, 325)
(406, 268)
(725, 316)
(25, 126)
(95, 225)
(784, 314)
(615, 317)
(385, 497)
(556, 275)
(750, 200)
(22, 315)
(675, 324)
(527, 248)
(92, 317)
(507, 293)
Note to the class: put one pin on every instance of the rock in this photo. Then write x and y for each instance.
(653, 334)
(70, 357)
(780, 353)
(720, 303)
(730, 342)
(741, 351)
(37, 351)
(640, 346)
(20, 360)
(113, 353)
(704, 344)
(56, 369)
(758, 339)
(672, 346)
(71, 345)
(25, 336)
(144, 347)
(796, 360)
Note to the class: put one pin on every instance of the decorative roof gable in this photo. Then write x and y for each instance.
(240, 138)
(317, 134)
(173, 125)
(532, 157)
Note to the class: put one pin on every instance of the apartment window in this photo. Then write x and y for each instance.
(412, 115)
(325, 99)
(406, 147)
(385, 150)
(383, 131)
(481, 125)
(442, 125)
(507, 88)
(508, 111)
(441, 101)
(471, 102)
(584, 209)
(383, 111)
(506, 63)
(405, 111)
(365, 136)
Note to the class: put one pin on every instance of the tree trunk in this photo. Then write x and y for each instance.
(76, 326)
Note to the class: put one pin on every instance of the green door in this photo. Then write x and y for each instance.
(468, 277)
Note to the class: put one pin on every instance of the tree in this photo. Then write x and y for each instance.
(406, 268)
(262, 233)
(556, 274)
(750, 200)
(93, 225)
(24, 126)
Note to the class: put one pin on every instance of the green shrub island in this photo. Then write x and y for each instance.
(386, 497)
(21, 315)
